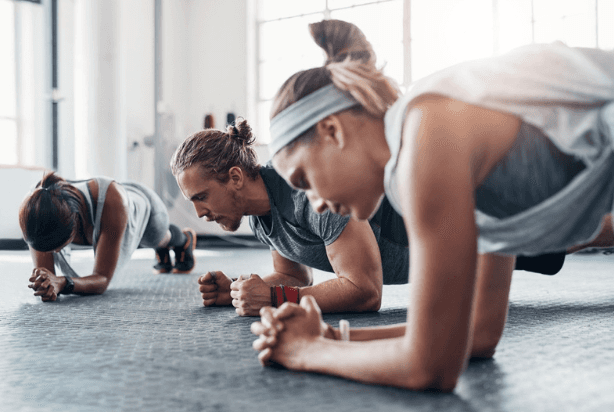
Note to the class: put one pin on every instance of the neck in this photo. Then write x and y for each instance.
(255, 198)
(380, 152)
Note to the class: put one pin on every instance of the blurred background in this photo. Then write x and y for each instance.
(111, 87)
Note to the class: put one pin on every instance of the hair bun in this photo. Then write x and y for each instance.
(50, 181)
(241, 131)
(341, 40)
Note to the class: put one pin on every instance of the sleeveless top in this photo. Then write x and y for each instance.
(563, 94)
(139, 209)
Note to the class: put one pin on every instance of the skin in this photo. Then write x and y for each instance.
(113, 223)
(459, 303)
(354, 256)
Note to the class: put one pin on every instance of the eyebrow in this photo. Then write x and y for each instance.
(199, 194)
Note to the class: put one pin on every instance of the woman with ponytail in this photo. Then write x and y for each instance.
(218, 172)
(485, 160)
(111, 217)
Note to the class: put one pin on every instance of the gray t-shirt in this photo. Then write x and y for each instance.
(301, 235)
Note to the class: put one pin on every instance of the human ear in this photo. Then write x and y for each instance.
(236, 177)
(330, 129)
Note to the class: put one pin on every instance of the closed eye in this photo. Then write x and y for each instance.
(298, 181)
(199, 197)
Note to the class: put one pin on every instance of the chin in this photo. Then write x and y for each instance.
(368, 211)
(233, 226)
(361, 215)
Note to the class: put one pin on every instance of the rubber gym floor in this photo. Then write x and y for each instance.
(148, 344)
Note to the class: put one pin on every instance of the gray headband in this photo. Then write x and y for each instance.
(297, 118)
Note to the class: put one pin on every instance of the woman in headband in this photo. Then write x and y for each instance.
(485, 160)
(111, 217)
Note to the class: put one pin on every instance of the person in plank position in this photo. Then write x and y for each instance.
(218, 172)
(113, 218)
(486, 160)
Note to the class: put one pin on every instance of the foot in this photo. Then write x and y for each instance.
(164, 264)
(184, 256)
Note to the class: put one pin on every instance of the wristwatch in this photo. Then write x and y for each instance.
(69, 287)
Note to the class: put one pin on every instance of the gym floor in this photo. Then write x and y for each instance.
(148, 344)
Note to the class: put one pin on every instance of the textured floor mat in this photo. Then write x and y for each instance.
(147, 344)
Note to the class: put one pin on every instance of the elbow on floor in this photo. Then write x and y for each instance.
(431, 381)
(100, 289)
(368, 301)
(484, 347)
(483, 352)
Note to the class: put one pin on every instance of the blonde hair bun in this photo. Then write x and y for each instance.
(341, 40)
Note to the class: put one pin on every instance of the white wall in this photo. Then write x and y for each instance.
(218, 34)
(107, 117)
(204, 71)
(137, 31)
(17, 182)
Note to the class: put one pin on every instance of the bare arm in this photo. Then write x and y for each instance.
(43, 260)
(444, 154)
(112, 227)
(287, 272)
(494, 275)
(355, 258)
(492, 287)
(494, 278)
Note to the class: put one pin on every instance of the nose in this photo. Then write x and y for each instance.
(201, 211)
(317, 203)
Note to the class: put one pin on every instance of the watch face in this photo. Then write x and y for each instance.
(70, 285)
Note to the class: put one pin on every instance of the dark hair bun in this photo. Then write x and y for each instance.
(241, 131)
(49, 180)
(340, 40)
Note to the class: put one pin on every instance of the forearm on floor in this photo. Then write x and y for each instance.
(90, 285)
(381, 362)
(342, 295)
(374, 333)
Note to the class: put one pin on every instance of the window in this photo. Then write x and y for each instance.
(8, 96)
(442, 33)
(446, 32)
(284, 45)
(24, 94)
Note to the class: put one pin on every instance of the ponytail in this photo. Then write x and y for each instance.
(350, 66)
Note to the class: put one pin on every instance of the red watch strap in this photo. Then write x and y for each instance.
(291, 294)
(280, 295)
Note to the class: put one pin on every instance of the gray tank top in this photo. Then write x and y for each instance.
(138, 215)
(531, 171)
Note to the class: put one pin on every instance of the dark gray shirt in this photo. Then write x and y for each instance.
(301, 235)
